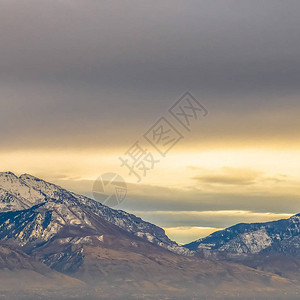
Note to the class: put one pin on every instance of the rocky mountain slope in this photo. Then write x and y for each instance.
(20, 271)
(281, 236)
(66, 208)
(272, 246)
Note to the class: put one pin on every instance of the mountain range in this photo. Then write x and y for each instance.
(281, 236)
(271, 246)
(61, 244)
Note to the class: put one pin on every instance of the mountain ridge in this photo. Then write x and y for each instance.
(49, 192)
(268, 246)
(244, 238)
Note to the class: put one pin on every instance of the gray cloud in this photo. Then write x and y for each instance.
(229, 176)
(131, 42)
(93, 70)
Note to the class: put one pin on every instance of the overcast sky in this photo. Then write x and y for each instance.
(80, 81)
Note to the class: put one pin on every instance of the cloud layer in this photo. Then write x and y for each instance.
(89, 72)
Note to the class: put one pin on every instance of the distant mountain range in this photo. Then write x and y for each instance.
(271, 246)
(83, 247)
(281, 236)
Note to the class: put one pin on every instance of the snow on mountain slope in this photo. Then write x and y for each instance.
(280, 236)
(10, 202)
(67, 208)
(252, 242)
(16, 194)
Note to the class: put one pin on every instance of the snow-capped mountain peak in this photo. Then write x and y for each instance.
(16, 194)
(49, 189)
(51, 207)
